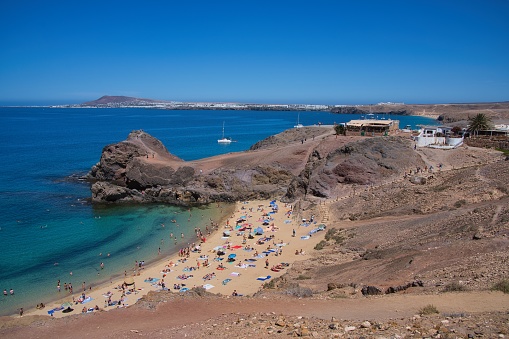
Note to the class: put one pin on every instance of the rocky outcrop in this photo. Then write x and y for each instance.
(289, 165)
(365, 162)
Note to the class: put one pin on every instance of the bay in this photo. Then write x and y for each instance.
(47, 227)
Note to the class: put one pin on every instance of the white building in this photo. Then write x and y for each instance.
(437, 137)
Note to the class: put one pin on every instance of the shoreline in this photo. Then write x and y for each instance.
(115, 277)
(240, 275)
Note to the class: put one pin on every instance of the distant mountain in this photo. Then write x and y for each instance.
(110, 100)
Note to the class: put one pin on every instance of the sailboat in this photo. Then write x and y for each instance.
(224, 140)
(299, 125)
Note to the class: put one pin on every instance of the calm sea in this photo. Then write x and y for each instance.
(48, 230)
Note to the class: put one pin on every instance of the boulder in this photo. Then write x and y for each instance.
(371, 290)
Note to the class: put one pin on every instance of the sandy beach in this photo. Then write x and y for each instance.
(253, 260)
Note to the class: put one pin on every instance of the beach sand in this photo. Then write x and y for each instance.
(242, 275)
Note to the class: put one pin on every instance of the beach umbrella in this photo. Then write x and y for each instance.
(129, 281)
(233, 255)
(258, 230)
(66, 304)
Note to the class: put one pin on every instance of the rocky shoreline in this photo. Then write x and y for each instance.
(296, 163)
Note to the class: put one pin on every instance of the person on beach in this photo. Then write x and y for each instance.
(102, 265)
(11, 291)
(21, 312)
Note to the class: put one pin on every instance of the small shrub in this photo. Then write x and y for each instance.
(338, 239)
(428, 309)
(460, 203)
(303, 277)
(330, 233)
(270, 284)
(502, 286)
(320, 245)
(440, 188)
(454, 287)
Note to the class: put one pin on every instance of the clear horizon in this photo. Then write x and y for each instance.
(324, 52)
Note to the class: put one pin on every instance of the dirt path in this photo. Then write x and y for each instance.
(189, 311)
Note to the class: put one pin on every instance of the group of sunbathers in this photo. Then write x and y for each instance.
(209, 276)
(178, 286)
(279, 267)
(184, 276)
(189, 268)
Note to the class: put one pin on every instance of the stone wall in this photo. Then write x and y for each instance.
(499, 143)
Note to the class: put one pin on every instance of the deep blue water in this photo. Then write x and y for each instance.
(47, 230)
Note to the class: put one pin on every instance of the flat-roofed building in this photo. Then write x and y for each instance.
(372, 127)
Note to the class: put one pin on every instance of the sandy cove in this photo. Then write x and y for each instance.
(243, 274)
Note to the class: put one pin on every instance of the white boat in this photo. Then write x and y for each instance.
(224, 140)
(299, 125)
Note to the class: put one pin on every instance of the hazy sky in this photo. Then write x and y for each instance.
(330, 52)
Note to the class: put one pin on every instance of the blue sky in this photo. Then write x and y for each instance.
(317, 52)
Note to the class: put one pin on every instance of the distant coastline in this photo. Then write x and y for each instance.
(442, 112)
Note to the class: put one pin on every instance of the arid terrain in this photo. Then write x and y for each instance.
(407, 230)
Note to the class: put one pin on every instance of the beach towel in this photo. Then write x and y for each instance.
(208, 286)
(185, 289)
(226, 281)
(263, 278)
(86, 300)
(236, 274)
(305, 237)
(151, 280)
(287, 221)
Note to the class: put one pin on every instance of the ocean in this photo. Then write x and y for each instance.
(48, 230)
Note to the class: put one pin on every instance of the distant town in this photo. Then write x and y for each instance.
(125, 102)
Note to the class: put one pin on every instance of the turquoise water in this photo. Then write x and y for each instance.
(48, 229)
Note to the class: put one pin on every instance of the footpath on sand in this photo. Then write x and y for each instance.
(255, 244)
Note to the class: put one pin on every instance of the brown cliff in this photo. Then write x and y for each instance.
(302, 162)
